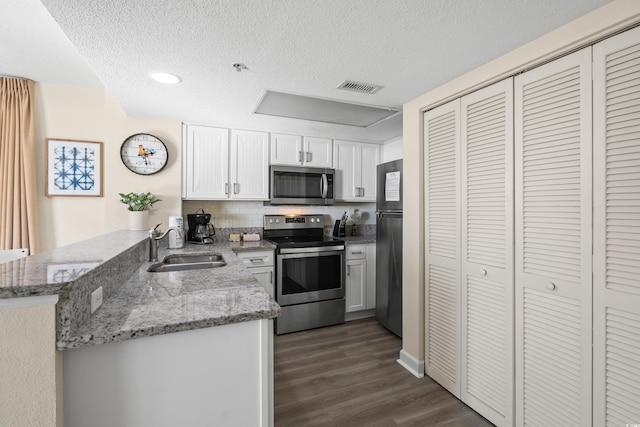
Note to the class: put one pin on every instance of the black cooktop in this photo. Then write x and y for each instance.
(297, 231)
(304, 241)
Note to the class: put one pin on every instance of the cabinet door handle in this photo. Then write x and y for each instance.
(357, 252)
(348, 270)
(271, 277)
(308, 155)
(236, 188)
(226, 188)
(300, 156)
(361, 191)
(254, 260)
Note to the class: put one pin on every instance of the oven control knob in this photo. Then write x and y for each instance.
(271, 221)
(313, 220)
(318, 220)
(277, 220)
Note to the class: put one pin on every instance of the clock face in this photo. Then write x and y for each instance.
(144, 154)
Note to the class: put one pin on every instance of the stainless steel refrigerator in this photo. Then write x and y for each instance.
(389, 246)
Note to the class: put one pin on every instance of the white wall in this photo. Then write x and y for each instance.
(391, 150)
(66, 112)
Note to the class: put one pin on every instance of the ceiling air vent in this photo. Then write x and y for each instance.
(359, 87)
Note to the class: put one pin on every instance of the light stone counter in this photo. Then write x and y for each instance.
(137, 303)
(361, 239)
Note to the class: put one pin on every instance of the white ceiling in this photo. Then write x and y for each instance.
(305, 47)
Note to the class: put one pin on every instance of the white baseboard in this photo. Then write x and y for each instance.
(411, 364)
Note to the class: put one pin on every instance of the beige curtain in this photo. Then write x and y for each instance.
(18, 186)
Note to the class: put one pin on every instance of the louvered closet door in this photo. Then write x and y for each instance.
(487, 252)
(442, 245)
(553, 243)
(616, 305)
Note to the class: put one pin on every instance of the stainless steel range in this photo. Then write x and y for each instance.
(309, 272)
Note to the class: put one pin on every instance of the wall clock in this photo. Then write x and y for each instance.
(144, 154)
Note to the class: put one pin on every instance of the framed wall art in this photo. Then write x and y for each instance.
(73, 168)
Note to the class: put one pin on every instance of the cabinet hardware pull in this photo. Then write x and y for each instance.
(348, 270)
(356, 252)
(226, 188)
(300, 156)
(256, 260)
(271, 277)
(308, 155)
(236, 187)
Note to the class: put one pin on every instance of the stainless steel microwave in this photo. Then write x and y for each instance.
(291, 185)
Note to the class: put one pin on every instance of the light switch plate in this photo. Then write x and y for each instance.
(96, 299)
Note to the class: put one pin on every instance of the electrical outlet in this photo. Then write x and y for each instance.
(96, 299)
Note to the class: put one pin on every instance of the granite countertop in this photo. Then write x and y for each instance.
(160, 303)
(53, 272)
(361, 239)
(137, 303)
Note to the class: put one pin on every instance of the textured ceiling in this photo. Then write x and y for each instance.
(305, 47)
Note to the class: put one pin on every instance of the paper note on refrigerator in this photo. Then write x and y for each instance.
(392, 187)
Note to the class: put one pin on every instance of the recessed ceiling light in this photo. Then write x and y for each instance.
(166, 78)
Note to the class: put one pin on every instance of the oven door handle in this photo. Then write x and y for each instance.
(324, 186)
(314, 249)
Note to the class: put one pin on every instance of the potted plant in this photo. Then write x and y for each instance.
(138, 205)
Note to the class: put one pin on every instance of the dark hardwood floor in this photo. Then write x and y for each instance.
(347, 375)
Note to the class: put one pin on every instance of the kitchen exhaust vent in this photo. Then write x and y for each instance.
(359, 87)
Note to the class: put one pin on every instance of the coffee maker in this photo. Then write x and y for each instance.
(200, 228)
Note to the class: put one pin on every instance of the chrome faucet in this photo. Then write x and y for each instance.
(154, 236)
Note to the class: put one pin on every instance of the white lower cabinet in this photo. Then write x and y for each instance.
(261, 265)
(360, 277)
(216, 376)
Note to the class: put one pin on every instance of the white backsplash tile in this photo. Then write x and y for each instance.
(233, 214)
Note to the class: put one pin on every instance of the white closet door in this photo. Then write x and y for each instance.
(553, 243)
(442, 245)
(487, 252)
(616, 305)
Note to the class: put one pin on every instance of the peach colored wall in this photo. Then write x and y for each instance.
(604, 21)
(66, 112)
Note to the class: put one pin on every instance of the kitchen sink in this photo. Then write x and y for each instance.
(188, 262)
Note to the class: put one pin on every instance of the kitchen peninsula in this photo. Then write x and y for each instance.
(169, 348)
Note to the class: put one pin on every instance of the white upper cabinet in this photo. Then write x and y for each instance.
(355, 164)
(205, 168)
(249, 166)
(318, 152)
(295, 150)
(553, 274)
(219, 164)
